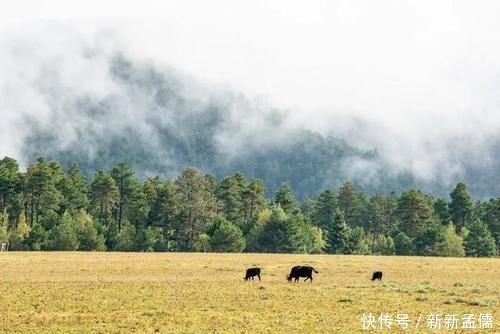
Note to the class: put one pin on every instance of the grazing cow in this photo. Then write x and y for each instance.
(301, 271)
(377, 275)
(251, 272)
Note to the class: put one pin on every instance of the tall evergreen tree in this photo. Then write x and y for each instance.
(104, 197)
(164, 211)
(41, 191)
(225, 237)
(324, 209)
(74, 189)
(230, 193)
(285, 198)
(129, 192)
(414, 213)
(197, 205)
(277, 234)
(442, 211)
(479, 242)
(253, 201)
(336, 233)
(460, 206)
(9, 169)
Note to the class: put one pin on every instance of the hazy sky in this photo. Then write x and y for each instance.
(420, 78)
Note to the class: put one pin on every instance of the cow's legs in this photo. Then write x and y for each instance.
(258, 275)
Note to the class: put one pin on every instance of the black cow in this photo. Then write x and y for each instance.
(301, 271)
(377, 275)
(251, 272)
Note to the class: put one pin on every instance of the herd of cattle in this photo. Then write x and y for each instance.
(297, 272)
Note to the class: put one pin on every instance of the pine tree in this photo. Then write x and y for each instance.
(324, 209)
(285, 198)
(230, 193)
(479, 242)
(197, 206)
(277, 235)
(164, 211)
(460, 206)
(414, 213)
(130, 196)
(41, 192)
(336, 234)
(103, 197)
(74, 189)
(225, 236)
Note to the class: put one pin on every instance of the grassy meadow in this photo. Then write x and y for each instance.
(205, 293)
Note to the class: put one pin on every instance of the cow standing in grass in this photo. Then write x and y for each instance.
(251, 273)
(377, 275)
(301, 271)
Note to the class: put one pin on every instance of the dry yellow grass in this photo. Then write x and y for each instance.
(205, 293)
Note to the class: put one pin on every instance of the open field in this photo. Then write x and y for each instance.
(205, 293)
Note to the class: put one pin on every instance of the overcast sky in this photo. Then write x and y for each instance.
(423, 75)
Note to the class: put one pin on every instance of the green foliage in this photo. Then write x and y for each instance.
(230, 193)
(277, 235)
(460, 206)
(429, 241)
(225, 237)
(197, 206)
(384, 245)
(127, 238)
(452, 244)
(318, 240)
(252, 238)
(285, 198)
(18, 235)
(4, 222)
(104, 197)
(357, 242)
(63, 237)
(414, 213)
(479, 241)
(74, 189)
(202, 243)
(336, 233)
(48, 209)
(323, 211)
(37, 238)
(163, 212)
(442, 210)
(403, 245)
(88, 237)
(150, 239)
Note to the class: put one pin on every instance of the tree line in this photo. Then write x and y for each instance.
(48, 208)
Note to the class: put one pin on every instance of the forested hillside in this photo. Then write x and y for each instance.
(49, 208)
(161, 122)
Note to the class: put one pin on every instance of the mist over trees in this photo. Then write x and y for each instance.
(49, 208)
(162, 122)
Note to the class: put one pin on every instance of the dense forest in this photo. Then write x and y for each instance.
(48, 208)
